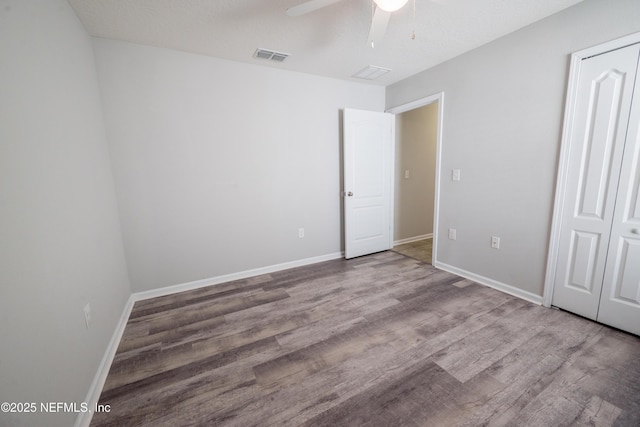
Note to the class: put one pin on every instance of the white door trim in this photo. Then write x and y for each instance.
(438, 97)
(563, 162)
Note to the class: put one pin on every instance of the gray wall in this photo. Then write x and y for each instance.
(217, 164)
(60, 241)
(503, 114)
(416, 138)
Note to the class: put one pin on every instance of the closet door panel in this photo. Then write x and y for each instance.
(620, 300)
(598, 132)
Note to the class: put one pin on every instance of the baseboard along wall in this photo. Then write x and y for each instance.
(84, 418)
(499, 286)
(413, 239)
(189, 286)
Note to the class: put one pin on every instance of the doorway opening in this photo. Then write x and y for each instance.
(417, 166)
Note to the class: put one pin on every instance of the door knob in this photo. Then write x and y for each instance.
(350, 194)
(635, 231)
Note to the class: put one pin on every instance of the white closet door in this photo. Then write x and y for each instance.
(598, 132)
(620, 299)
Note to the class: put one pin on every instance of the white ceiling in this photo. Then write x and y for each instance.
(330, 42)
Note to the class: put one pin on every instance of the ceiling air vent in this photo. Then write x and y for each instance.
(371, 72)
(270, 55)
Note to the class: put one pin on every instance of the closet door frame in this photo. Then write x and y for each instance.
(561, 183)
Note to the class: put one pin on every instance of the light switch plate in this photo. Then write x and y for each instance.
(452, 234)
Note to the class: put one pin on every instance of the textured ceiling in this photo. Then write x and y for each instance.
(330, 42)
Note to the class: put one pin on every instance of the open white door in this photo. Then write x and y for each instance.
(368, 181)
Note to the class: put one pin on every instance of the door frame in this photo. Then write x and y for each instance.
(421, 102)
(563, 161)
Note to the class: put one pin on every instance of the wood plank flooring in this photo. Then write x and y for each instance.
(381, 340)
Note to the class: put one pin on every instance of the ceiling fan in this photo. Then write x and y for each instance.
(381, 14)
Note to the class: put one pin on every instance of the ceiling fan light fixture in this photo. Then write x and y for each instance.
(390, 5)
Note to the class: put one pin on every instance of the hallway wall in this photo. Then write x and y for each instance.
(416, 139)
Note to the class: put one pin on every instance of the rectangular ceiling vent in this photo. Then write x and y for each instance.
(270, 55)
(371, 72)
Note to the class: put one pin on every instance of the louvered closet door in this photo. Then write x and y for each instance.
(597, 145)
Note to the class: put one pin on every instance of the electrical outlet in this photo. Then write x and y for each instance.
(452, 234)
(455, 174)
(87, 314)
(495, 242)
(301, 232)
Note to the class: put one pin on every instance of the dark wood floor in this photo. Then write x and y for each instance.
(382, 340)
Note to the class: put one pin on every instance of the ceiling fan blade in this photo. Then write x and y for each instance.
(378, 26)
(309, 6)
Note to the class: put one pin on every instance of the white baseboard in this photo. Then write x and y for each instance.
(168, 290)
(502, 287)
(84, 418)
(413, 239)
